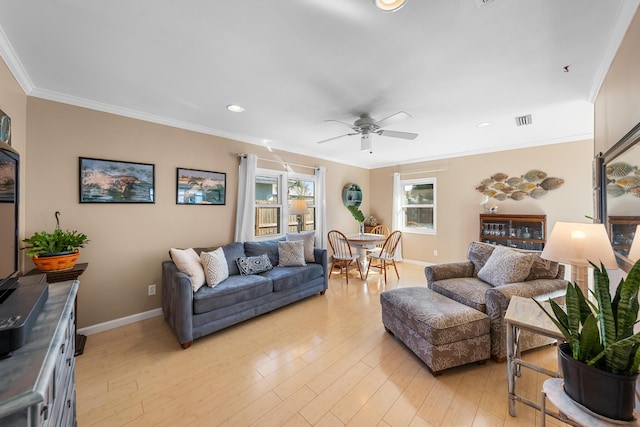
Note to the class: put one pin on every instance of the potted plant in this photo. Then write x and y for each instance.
(55, 251)
(358, 216)
(600, 358)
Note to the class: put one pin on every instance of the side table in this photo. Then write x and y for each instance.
(63, 276)
(524, 314)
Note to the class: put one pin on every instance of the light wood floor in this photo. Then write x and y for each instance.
(324, 361)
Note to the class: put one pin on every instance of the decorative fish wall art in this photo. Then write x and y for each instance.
(535, 184)
(622, 178)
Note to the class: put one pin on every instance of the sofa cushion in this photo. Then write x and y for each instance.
(233, 290)
(469, 291)
(478, 253)
(188, 262)
(308, 238)
(254, 264)
(269, 247)
(543, 268)
(232, 252)
(506, 266)
(215, 266)
(291, 254)
(284, 278)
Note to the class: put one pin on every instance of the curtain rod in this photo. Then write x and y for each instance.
(280, 162)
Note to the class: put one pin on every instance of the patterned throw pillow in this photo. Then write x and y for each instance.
(291, 254)
(254, 264)
(188, 262)
(215, 266)
(478, 253)
(543, 268)
(308, 238)
(506, 266)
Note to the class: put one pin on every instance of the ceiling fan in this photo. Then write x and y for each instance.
(367, 125)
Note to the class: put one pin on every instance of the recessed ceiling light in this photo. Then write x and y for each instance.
(389, 5)
(235, 108)
(484, 124)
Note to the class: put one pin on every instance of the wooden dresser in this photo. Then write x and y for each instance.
(38, 380)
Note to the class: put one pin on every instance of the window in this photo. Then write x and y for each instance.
(418, 206)
(272, 207)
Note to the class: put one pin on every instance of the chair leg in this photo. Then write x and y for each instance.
(359, 267)
(384, 267)
(395, 268)
(347, 271)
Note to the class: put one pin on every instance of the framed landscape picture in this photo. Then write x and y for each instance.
(198, 187)
(113, 181)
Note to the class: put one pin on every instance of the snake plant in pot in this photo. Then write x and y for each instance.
(600, 358)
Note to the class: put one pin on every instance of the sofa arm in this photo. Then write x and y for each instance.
(449, 270)
(177, 302)
(321, 258)
(497, 300)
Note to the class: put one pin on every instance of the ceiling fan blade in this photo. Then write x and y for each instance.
(394, 134)
(349, 125)
(401, 115)
(336, 137)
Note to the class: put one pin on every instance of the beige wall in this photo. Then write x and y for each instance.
(458, 203)
(617, 107)
(128, 242)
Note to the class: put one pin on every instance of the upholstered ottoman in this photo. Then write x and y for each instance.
(442, 332)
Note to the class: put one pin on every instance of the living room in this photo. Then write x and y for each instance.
(128, 242)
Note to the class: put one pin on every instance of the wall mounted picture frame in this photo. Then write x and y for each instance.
(116, 181)
(200, 187)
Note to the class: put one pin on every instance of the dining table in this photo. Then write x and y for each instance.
(363, 242)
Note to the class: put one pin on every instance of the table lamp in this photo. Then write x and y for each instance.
(634, 251)
(576, 244)
(299, 208)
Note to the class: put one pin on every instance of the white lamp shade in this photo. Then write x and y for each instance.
(578, 243)
(298, 207)
(634, 251)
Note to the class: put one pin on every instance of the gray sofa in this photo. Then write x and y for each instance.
(193, 315)
(459, 281)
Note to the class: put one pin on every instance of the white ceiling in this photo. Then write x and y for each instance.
(293, 64)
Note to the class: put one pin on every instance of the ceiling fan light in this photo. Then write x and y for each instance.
(389, 5)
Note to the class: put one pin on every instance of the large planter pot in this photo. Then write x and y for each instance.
(56, 262)
(604, 393)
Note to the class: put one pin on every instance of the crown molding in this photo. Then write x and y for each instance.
(626, 13)
(13, 62)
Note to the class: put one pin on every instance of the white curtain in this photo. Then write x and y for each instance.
(397, 211)
(245, 216)
(321, 215)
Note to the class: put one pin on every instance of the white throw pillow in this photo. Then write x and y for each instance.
(291, 254)
(308, 239)
(188, 262)
(506, 266)
(215, 266)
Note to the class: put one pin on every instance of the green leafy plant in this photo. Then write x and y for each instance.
(602, 335)
(357, 213)
(43, 243)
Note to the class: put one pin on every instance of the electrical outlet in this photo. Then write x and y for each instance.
(151, 290)
(435, 252)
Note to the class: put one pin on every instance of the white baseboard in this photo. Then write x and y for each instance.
(413, 261)
(111, 324)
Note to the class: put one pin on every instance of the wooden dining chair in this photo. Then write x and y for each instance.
(382, 230)
(343, 256)
(386, 255)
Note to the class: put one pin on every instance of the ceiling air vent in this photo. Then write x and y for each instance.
(523, 120)
(483, 2)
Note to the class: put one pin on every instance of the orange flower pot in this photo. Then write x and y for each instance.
(56, 262)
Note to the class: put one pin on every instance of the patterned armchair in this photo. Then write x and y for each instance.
(487, 281)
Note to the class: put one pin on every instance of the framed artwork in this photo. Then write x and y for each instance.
(114, 181)
(198, 187)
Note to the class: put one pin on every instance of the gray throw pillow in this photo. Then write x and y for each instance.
(291, 254)
(505, 266)
(254, 264)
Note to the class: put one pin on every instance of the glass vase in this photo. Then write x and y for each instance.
(361, 228)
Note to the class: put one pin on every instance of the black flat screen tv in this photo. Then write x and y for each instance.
(9, 169)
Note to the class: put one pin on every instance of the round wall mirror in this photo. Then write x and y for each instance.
(352, 195)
